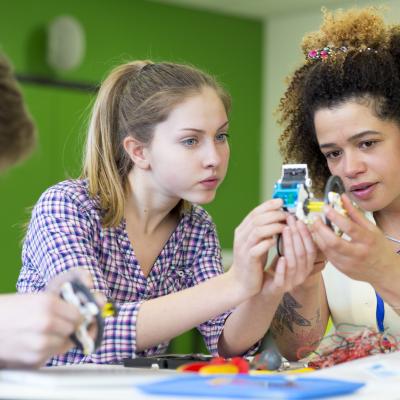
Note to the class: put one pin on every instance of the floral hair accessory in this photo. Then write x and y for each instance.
(324, 53)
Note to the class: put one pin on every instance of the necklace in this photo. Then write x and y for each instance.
(393, 239)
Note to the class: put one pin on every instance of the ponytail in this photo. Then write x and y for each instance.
(105, 159)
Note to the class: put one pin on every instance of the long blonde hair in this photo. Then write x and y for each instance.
(132, 100)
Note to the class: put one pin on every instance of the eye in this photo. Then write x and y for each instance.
(190, 142)
(222, 137)
(332, 154)
(368, 143)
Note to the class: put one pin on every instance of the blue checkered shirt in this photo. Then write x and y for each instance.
(66, 232)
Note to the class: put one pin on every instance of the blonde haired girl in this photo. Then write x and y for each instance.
(157, 147)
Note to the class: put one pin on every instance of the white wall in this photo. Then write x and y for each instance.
(282, 38)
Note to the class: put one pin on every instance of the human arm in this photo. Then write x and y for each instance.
(62, 235)
(218, 294)
(302, 315)
(252, 245)
(165, 317)
(301, 319)
(367, 256)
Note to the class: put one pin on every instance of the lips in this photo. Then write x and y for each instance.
(210, 183)
(363, 191)
(361, 186)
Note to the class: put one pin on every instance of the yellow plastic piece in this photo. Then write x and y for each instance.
(108, 310)
(315, 206)
(219, 369)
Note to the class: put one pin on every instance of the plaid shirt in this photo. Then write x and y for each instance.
(65, 232)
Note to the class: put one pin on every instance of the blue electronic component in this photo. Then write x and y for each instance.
(292, 187)
(289, 195)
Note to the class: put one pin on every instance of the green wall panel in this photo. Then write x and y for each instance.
(59, 120)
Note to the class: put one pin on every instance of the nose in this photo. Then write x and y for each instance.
(353, 166)
(211, 156)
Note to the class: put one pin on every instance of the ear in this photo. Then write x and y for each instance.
(136, 151)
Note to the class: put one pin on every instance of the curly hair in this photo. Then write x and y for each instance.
(363, 65)
(17, 130)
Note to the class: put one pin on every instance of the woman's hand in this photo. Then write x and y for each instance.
(254, 237)
(299, 260)
(366, 256)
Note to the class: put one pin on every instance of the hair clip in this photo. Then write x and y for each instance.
(324, 53)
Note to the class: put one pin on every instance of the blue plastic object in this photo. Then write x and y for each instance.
(247, 386)
(288, 193)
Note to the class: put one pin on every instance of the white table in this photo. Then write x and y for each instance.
(381, 374)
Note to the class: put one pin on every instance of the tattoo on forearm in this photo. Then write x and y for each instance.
(286, 315)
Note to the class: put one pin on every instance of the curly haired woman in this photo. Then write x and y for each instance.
(341, 116)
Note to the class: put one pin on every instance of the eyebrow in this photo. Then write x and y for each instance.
(201, 130)
(352, 138)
